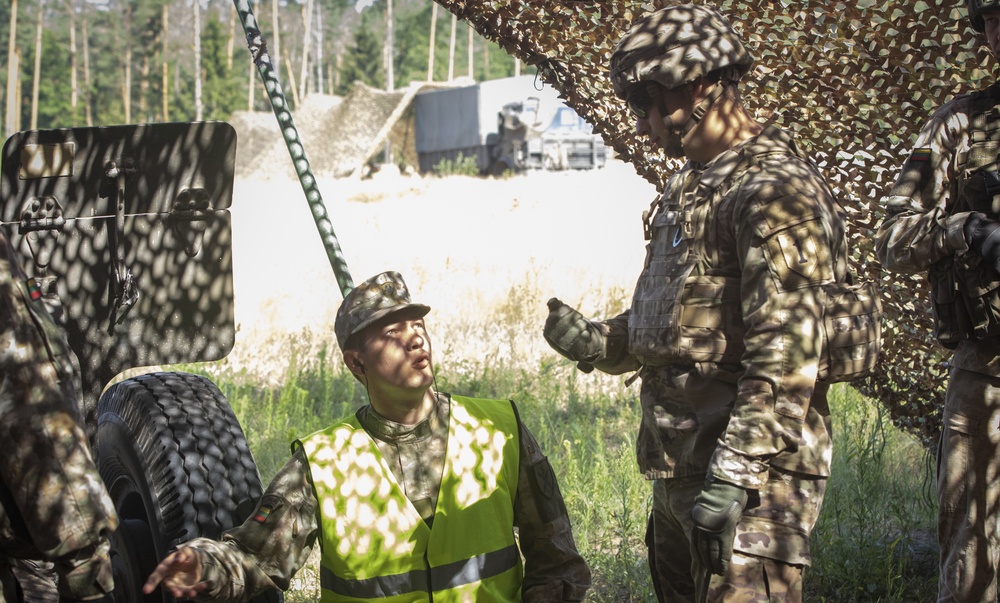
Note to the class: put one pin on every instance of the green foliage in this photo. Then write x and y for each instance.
(54, 109)
(875, 539)
(223, 91)
(364, 60)
(460, 166)
(412, 40)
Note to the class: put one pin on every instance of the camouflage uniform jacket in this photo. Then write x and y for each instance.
(923, 224)
(755, 234)
(53, 504)
(267, 550)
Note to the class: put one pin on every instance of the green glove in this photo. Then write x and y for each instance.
(716, 512)
(573, 336)
(983, 236)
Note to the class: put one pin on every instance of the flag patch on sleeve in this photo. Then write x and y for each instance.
(921, 154)
(34, 290)
(262, 514)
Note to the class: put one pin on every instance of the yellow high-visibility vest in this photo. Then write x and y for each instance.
(374, 543)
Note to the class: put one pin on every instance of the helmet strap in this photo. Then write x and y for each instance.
(684, 128)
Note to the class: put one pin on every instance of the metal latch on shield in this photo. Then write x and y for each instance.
(189, 218)
(41, 222)
(123, 290)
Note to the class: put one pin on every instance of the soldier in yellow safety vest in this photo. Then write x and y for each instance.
(414, 497)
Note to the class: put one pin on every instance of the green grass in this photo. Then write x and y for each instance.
(874, 540)
(876, 536)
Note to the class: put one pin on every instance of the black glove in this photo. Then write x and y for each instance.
(983, 236)
(716, 512)
(573, 336)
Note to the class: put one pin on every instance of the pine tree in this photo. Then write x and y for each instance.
(364, 60)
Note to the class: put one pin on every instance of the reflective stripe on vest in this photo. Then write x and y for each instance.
(374, 543)
(448, 576)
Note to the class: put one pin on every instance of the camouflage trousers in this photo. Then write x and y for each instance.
(771, 548)
(28, 581)
(38, 579)
(968, 466)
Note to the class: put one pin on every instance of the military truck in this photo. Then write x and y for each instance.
(509, 124)
(127, 229)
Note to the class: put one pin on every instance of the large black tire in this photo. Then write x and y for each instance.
(177, 465)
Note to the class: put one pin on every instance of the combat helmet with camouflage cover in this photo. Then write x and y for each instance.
(976, 10)
(676, 45)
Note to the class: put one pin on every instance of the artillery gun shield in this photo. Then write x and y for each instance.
(126, 231)
(130, 227)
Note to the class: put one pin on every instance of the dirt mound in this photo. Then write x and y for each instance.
(340, 135)
(256, 133)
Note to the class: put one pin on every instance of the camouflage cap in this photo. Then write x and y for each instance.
(676, 45)
(377, 297)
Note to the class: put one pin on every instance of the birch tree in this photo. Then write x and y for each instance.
(127, 83)
(88, 111)
(390, 51)
(165, 66)
(307, 9)
(13, 73)
(73, 83)
(430, 44)
(319, 49)
(451, 49)
(36, 75)
(276, 55)
(197, 60)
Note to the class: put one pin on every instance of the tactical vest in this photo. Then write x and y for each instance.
(687, 309)
(965, 293)
(375, 545)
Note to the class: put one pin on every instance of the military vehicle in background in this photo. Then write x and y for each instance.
(508, 125)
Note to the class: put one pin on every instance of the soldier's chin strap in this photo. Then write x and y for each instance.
(684, 128)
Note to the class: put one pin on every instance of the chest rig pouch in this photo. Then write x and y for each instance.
(852, 332)
(687, 303)
(684, 310)
(965, 293)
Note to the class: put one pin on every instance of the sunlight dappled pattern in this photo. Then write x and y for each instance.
(363, 495)
(478, 464)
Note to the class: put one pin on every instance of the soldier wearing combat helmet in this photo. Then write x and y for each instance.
(390, 493)
(727, 324)
(943, 217)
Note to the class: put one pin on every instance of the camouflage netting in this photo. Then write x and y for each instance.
(854, 80)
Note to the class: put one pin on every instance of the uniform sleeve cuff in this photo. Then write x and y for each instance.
(730, 465)
(955, 233)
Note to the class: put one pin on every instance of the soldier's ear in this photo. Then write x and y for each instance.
(352, 359)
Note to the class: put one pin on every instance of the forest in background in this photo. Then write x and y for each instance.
(77, 63)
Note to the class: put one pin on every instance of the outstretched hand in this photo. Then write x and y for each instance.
(572, 335)
(180, 574)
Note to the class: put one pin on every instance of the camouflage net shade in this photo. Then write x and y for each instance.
(853, 80)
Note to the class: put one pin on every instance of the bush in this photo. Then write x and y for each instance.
(460, 166)
(876, 536)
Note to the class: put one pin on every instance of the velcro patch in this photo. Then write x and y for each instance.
(262, 513)
(921, 154)
(34, 290)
